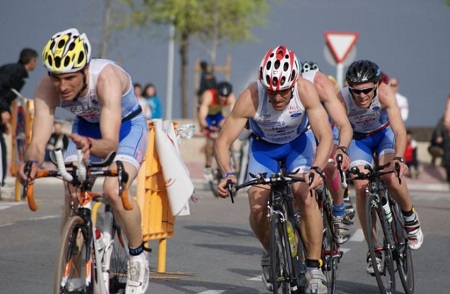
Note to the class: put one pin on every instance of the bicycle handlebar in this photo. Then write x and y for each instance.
(374, 173)
(78, 176)
(262, 179)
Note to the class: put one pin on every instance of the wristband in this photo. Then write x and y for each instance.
(227, 175)
(343, 149)
(399, 158)
(89, 142)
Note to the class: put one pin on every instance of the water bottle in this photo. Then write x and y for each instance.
(99, 242)
(387, 209)
(291, 237)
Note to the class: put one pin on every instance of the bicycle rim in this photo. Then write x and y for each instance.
(329, 266)
(379, 245)
(403, 254)
(118, 262)
(279, 256)
(74, 268)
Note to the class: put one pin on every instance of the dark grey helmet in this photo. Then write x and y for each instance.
(224, 89)
(363, 71)
(309, 65)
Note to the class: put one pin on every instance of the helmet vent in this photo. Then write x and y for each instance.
(277, 64)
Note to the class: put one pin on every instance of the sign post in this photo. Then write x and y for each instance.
(340, 44)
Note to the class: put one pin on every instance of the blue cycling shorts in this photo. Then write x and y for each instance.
(133, 139)
(213, 120)
(297, 154)
(361, 151)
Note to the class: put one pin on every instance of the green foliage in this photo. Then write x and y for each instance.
(230, 19)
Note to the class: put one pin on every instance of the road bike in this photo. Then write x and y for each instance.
(91, 258)
(287, 262)
(386, 237)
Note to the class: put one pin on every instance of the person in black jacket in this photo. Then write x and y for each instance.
(12, 76)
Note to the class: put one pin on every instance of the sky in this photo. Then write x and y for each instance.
(408, 39)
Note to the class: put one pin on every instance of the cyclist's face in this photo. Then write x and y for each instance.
(69, 84)
(363, 94)
(279, 99)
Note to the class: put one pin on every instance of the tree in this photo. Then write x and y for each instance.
(211, 21)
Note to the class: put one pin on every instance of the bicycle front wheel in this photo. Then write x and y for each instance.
(379, 248)
(118, 262)
(329, 252)
(281, 262)
(74, 268)
(402, 253)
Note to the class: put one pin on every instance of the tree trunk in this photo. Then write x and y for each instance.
(184, 48)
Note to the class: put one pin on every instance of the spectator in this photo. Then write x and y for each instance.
(402, 101)
(58, 140)
(142, 101)
(410, 155)
(153, 101)
(436, 148)
(12, 76)
(207, 80)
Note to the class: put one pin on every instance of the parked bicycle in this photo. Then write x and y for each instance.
(287, 263)
(386, 238)
(90, 259)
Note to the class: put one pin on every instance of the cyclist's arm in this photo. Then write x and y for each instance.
(45, 102)
(319, 125)
(336, 111)
(204, 107)
(112, 83)
(244, 108)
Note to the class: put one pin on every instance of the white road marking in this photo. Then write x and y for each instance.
(212, 292)
(358, 236)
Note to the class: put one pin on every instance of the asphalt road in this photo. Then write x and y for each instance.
(212, 251)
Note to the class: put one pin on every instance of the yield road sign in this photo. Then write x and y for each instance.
(340, 44)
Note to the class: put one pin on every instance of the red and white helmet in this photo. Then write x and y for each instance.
(279, 69)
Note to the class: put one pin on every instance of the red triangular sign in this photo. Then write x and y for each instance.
(340, 44)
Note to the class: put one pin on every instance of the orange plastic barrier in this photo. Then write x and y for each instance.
(157, 219)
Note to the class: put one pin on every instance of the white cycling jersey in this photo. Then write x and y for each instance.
(275, 126)
(88, 107)
(365, 120)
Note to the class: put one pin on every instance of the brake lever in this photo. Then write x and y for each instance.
(231, 190)
(397, 172)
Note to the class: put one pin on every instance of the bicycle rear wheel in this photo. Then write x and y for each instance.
(74, 268)
(379, 249)
(402, 254)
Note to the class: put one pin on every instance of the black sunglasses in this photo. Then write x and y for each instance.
(365, 90)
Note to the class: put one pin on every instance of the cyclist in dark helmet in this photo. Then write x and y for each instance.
(309, 66)
(211, 115)
(378, 129)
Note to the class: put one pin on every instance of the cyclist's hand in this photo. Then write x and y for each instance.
(22, 176)
(315, 178)
(403, 167)
(83, 143)
(222, 187)
(345, 159)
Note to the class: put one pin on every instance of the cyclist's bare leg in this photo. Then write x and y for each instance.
(311, 224)
(398, 191)
(360, 192)
(129, 220)
(259, 223)
(334, 186)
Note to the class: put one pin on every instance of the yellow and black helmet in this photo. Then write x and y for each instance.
(66, 52)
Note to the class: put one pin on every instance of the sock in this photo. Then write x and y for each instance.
(136, 251)
(339, 210)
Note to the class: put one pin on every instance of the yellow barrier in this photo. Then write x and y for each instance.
(157, 218)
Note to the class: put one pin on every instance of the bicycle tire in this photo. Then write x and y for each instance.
(379, 244)
(329, 249)
(118, 262)
(71, 269)
(403, 254)
(280, 265)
